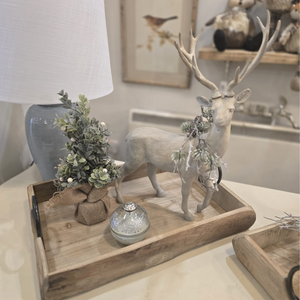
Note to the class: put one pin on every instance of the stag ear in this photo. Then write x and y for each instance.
(243, 96)
(204, 102)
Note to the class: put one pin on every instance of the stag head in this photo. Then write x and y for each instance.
(223, 105)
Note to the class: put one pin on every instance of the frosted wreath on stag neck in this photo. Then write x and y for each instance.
(155, 147)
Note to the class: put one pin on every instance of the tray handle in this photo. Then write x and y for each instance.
(36, 218)
(289, 283)
(220, 175)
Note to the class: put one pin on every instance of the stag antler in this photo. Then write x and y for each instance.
(250, 66)
(190, 60)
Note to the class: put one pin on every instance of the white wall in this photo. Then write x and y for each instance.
(267, 82)
(14, 151)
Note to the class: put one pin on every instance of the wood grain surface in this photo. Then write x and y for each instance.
(80, 258)
(211, 53)
(269, 253)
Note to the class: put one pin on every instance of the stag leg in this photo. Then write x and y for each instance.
(126, 169)
(151, 172)
(209, 192)
(185, 191)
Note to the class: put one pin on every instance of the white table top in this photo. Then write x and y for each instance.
(208, 272)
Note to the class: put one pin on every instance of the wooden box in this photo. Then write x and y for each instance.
(269, 254)
(76, 258)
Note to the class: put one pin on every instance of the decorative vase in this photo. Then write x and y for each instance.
(47, 144)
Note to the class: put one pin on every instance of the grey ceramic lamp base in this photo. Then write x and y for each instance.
(45, 142)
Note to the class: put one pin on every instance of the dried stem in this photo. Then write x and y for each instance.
(288, 221)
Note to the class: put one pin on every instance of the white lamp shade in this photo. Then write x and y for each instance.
(50, 45)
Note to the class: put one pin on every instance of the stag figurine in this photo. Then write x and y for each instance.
(155, 147)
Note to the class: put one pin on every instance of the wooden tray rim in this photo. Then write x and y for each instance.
(146, 242)
(247, 238)
(232, 201)
(256, 247)
(222, 187)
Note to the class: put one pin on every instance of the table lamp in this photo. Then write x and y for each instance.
(47, 46)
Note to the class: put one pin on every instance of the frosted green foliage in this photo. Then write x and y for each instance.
(88, 146)
(178, 156)
(113, 170)
(203, 127)
(200, 125)
(185, 127)
(203, 152)
(206, 113)
(203, 155)
(99, 178)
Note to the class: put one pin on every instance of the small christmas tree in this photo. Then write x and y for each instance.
(88, 160)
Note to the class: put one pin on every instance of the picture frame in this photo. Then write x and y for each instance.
(149, 29)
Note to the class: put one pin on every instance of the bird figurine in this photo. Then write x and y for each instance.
(155, 23)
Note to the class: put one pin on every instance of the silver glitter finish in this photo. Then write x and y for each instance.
(129, 223)
(129, 206)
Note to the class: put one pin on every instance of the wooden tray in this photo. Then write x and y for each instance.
(269, 254)
(77, 258)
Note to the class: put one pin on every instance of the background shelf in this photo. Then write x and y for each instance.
(211, 53)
